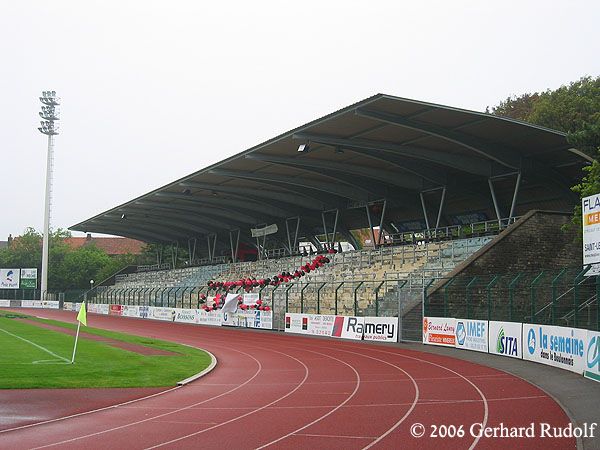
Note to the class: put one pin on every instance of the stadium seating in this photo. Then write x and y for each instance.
(355, 282)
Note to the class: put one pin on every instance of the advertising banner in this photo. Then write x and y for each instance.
(251, 298)
(555, 346)
(143, 312)
(592, 359)
(590, 220)
(212, 318)
(115, 310)
(348, 327)
(160, 313)
(255, 319)
(439, 331)
(29, 278)
(102, 308)
(472, 335)
(185, 315)
(129, 311)
(315, 324)
(52, 304)
(5, 303)
(31, 303)
(505, 339)
(68, 306)
(9, 278)
(382, 329)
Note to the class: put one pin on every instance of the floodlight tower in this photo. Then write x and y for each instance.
(49, 113)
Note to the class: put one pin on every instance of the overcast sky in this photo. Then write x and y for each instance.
(155, 90)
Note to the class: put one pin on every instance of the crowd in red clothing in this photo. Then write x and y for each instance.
(248, 284)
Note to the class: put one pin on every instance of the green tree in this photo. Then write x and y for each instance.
(573, 109)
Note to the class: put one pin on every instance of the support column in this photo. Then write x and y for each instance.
(496, 207)
(292, 245)
(440, 208)
(330, 244)
(192, 250)
(234, 249)
(515, 195)
(211, 249)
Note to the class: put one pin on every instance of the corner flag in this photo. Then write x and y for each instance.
(81, 317)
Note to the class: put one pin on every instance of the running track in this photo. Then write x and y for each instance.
(286, 391)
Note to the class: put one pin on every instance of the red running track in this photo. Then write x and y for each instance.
(286, 391)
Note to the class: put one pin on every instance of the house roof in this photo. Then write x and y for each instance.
(111, 245)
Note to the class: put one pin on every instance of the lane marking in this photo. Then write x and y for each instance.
(108, 430)
(243, 415)
(36, 345)
(335, 436)
(324, 415)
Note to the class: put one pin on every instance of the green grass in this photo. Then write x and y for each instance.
(97, 364)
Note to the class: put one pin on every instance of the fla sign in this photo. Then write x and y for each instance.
(590, 220)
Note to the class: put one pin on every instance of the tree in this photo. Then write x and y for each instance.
(573, 109)
(68, 268)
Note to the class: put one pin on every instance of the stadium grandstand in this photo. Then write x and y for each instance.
(438, 188)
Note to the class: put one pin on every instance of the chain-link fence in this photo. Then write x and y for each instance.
(564, 297)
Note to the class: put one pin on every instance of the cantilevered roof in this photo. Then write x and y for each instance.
(383, 147)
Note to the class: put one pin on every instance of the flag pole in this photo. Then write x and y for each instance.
(75, 346)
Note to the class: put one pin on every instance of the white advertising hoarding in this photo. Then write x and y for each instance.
(505, 339)
(9, 278)
(472, 335)
(592, 356)
(439, 331)
(381, 329)
(555, 346)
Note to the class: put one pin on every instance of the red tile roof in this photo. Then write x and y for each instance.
(111, 245)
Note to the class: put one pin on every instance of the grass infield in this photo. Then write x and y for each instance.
(34, 357)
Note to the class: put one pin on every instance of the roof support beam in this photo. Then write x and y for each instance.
(404, 164)
(145, 236)
(159, 220)
(169, 231)
(407, 181)
(188, 221)
(470, 164)
(503, 156)
(233, 204)
(335, 189)
(286, 197)
(216, 212)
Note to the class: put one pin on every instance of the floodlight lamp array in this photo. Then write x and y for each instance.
(48, 127)
(49, 98)
(49, 113)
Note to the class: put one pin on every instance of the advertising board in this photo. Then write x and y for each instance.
(472, 335)
(439, 331)
(555, 346)
(505, 339)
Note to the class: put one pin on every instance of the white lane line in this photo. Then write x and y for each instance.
(335, 436)
(36, 345)
(481, 394)
(85, 413)
(360, 406)
(108, 430)
(412, 406)
(306, 371)
(324, 415)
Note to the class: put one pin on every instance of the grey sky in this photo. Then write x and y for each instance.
(154, 90)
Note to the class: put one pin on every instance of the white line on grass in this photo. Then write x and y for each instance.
(36, 345)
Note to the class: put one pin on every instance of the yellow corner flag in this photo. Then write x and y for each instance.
(81, 317)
